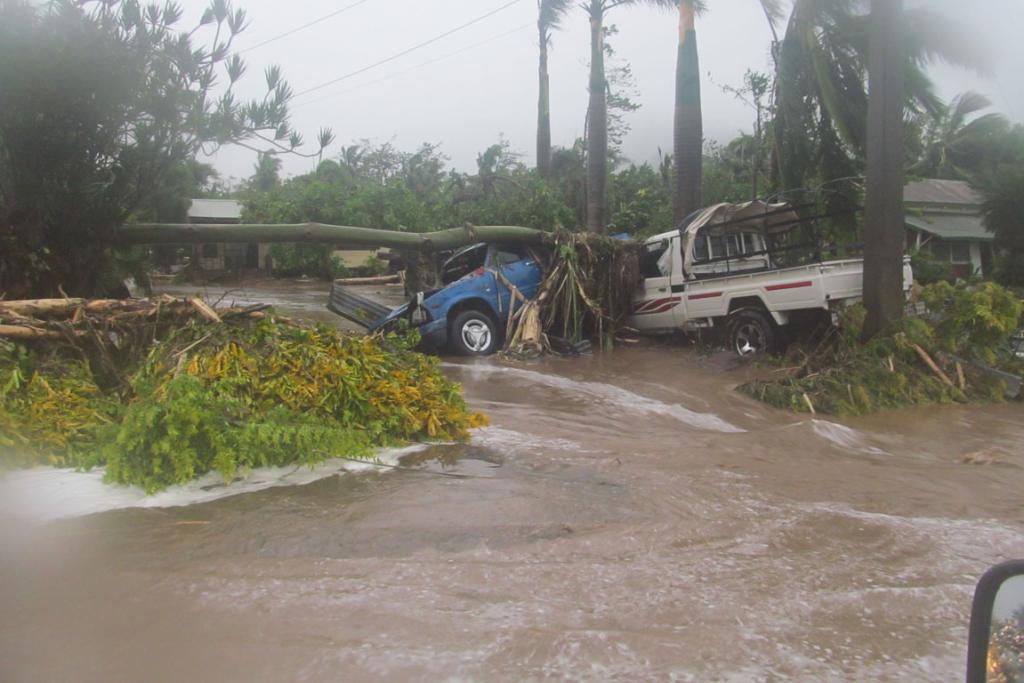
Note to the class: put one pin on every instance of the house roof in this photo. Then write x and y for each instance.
(961, 226)
(215, 211)
(941, 192)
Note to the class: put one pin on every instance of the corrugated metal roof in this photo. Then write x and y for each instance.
(951, 226)
(931, 191)
(214, 209)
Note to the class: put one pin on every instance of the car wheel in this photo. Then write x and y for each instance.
(751, 333)
(474, 333)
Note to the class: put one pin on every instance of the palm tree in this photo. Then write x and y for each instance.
(597, 112)
(820, 122)
(956, 144)
(883, 201)
(1002, 213)
(688, 136)
(688, 126)
(266, 172)
(549, 18)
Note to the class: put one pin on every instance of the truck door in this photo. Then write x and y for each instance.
(655, 304)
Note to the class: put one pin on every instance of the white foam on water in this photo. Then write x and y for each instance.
(611, 395)
(841, 435)
(507, 439)
(43, 494)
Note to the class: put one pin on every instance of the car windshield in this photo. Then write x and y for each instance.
(463, 263)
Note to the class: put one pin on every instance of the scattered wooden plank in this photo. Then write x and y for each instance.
(934, 367)
(204, 309)
(376, 280)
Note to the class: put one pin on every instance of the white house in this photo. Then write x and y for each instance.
(943, 219)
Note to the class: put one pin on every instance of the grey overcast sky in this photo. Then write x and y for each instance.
(465, 102)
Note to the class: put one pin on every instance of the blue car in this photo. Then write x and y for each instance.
(466, 316)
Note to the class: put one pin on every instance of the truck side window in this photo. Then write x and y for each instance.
(650, 265)
(717, 243)
(700, 247)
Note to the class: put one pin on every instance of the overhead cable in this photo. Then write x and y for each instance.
(408, 50)
(417, 66)
(305, 26)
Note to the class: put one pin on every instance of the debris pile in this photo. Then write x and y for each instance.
(162, 391)
(959, 351)
(587, 292)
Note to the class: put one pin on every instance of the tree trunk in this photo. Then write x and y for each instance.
(884, 211)
(174, 233)
(597, 126)
(688, 129)
(544, 112)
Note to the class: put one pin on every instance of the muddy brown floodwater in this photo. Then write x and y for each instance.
(627, 517)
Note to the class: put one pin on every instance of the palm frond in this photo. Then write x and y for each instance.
(551, 13)
(932, 36)
(773, 10)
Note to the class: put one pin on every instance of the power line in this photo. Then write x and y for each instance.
(408, 50)
(305, 26)
(418, 66)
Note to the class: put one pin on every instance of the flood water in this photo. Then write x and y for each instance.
(627, 517)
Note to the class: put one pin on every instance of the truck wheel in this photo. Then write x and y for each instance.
(751, 333)
(473, 333)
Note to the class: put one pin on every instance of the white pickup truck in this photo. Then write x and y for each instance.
(719, 271)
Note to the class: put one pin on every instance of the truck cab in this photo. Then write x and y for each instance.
(723, 269)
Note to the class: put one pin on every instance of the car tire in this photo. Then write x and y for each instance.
(473, 333)
(751, 333)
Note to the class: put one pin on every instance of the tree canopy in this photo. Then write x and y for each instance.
(103, 101)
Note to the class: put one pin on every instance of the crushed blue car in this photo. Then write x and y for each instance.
(467, 315)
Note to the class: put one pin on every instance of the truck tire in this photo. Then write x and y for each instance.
(473, 333)
(751, 333)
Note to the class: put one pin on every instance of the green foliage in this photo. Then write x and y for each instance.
(973, 321)
(1003, 214)
(50, 409)
(845, 376)
(928, 269)
(104, 102)
(312, 260)
(227, 399)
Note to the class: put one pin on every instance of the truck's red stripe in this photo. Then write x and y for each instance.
(667, 306)
(644, 306)
(789, 285)
(709, 295)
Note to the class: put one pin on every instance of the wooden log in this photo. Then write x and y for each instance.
(204, 309)
(61, 309)
(41, 308)
(934, 367)
(24, 333)
(378, 280)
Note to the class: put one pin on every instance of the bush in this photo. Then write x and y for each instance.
(928, 269)
(846, 376)
(311, 260)
(1010, 269)
(229, 398)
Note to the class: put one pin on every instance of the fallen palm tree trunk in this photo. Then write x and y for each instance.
(161, 391)
(440, 240)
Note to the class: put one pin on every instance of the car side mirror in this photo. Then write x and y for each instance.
(995, 646)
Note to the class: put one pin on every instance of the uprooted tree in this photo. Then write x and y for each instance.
(102, 100)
